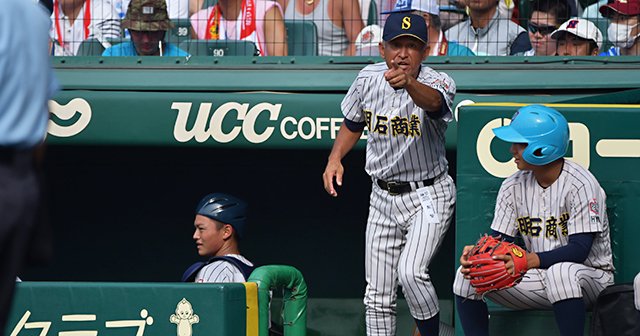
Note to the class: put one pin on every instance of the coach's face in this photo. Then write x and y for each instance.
(407, 52)
(210, 235)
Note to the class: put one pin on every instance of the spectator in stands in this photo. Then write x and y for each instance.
(338, 22)
(74, 21)
(546, 17)
(177, 9)
(225, 21)
(430, 11)
(148, 22)
(624, 29)
(220, 223)
(488, 33)
(451, 13)
(577, 37)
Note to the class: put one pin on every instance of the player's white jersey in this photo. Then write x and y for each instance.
(545, 217)
(222, 271)
(403, 143)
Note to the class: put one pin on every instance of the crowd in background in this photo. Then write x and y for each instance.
(352, 27)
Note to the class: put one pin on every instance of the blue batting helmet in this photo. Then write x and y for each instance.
(543, 129)
(226, 209)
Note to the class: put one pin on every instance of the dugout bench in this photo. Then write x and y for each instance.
(609, 149)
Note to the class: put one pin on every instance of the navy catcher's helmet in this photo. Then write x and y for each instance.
(544, 129)
(226, 209)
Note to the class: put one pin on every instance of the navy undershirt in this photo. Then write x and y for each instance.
(575, 251)
(354, 126)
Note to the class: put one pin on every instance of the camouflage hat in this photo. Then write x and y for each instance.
(147, 15)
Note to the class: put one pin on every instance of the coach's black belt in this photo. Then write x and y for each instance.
(396, 188)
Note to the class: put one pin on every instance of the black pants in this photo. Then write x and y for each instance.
(19, 208)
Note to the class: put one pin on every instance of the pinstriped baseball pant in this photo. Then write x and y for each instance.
(400, 244)
(540, 288)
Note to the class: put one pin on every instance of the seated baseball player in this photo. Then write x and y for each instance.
(558, 209)
(577, 37)
(219, 225)
(148, 22)
(636, 291)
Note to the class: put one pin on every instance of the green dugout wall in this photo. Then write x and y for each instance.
(121, 309)
(134, 143)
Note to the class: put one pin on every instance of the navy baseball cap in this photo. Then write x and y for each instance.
(405, 24)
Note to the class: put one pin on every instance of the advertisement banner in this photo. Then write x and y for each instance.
(262, 119)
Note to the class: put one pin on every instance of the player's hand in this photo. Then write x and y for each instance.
(508, 262)
(464, 259)
(333, 170)
(396, 77)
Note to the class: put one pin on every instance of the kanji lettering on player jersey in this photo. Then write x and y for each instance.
(414, 126)
(367, 116)
(399, 125)
(409, 127)
(529, 226)
(564, 218)
(551, 229)
(381, 125)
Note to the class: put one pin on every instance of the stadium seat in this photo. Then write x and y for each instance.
(180, 32)
(524, 12)
(372, 17)
(90, 47)
(302, 38)
(219, 48)
(209, 3)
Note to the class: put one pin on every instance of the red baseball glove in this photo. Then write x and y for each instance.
(488, 274)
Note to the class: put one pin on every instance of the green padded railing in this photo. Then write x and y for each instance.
(294, 314)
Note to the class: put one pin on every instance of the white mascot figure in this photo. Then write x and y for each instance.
(184, 318)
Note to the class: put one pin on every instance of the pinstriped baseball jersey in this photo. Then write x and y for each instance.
(636, 291)
(222, 271)
(545, 217)
(403, 144)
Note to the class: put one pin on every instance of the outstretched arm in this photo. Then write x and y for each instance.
(424, 96)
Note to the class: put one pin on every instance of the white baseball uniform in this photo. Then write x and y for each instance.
(544, 218)
(222, 271)
(636, 291)
(405, 230)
